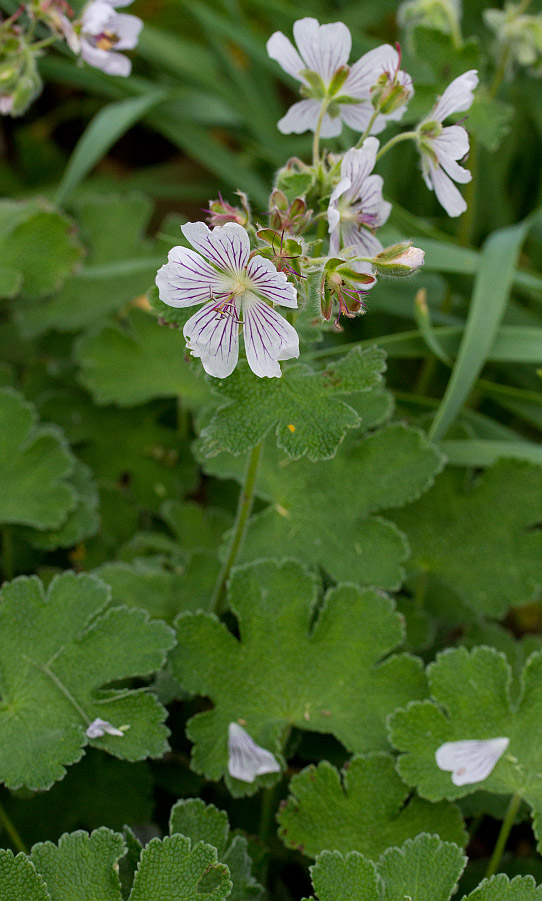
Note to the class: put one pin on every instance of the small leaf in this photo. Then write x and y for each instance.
(173, 870)
(424, 868)
(282, 672)
(19, 879)
(365, 807)
(81, 867)
(82, 522)
(350, 878)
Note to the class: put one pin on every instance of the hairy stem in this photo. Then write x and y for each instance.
(367, 131)
(403, 136)
(14, 836)
(500, 845)
(316, 139)
(244, 508)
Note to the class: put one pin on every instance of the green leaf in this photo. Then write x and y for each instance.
(11, 280)
(171, 869)
(387, 468)
(136, 362)
(350, 878)
(204, 823)
(82, 522)
(501, 888)
(471, 700)
(365, 807)
(35, 466)
(57, 650)
(492, 562)
(39, 243)
(306, 407)
(81, 867)
(490, 119)
(105, 129)
(283, 673)
(491, 289)
(19, 879)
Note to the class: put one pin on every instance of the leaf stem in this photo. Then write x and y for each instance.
(402, 136)
(244, 508)
(368, 129)
(508, 822)
(14, 836)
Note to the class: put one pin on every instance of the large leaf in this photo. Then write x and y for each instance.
(284, 672)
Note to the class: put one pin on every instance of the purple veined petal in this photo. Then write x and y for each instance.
(127, 28)
(246, 759)
(187, 279)
(268, 338)
(366, 72)
(457, 97)
(302, 116)
(453, 141)
(269, 283)
(447, 194)
(331, 126)
(454, 170)
(226, 246)
(107, 60)
(357, 116)
(371, 201)
(357, 164)
(281, 49)
(214, 338)
(343, 187)
(100, 727)
(324, 48)
(334, 216)
(363, 242)
(472, 760)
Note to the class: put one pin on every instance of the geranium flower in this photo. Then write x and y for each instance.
(102, 33)
(442, 147)
(237, 290)
(471, 760)
(246, 759)
(321, 65)
(100, 727)
(356, 207)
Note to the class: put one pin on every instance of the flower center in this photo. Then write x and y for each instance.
(106, 40)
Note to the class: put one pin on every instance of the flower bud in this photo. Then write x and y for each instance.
(338, 80)
(220, 211)
(290, 217)
(399, 260)
(390, 93)
(440, 15)
(343, 288)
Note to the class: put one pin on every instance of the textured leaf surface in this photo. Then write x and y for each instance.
(35, 465)
(57, 650)
(501, 888)
(388, 468)
(205, 823)
(281, 672)
(471, 700)
(480, 539)
(19, 879)
(173, 871)
(81, 867)
(81, 522)
(365, 808)
(306, 407)
(135, 362)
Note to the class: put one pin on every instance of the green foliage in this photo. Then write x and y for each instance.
(82, 522)
(283, 672)
(306, 407)
(456, 677)
(39, 244)
(365, 807)
(57, 651)
(136, 361)
(492, 562)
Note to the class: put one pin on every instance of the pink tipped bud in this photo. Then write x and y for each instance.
(221, 212)
(399, 260)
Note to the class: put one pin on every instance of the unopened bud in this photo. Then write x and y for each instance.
(338, 80)
(221, 212)
(399, 260)
(390, 93)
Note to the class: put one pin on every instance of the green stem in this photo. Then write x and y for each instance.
(403, 136)
(14, 836)
(316, 139)
(244, 508)
(7, 553)
(508, 822)
(368, 129)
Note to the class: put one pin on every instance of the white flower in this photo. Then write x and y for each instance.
(99, 727)
(103, 33)
(246, 759)
(399, 260)
(442, 147)
(356, 207)
(321, 65)
(237, 289)
(472, 760)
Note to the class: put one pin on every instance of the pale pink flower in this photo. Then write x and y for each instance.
(246, 759)
(441, 147)
(104, 32)
(237, 290)
(471, 760)
(356, 207)
(324, 51)
(99, 727)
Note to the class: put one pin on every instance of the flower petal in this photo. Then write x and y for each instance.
(452, 141)
(324, 48)
(96, 17)
(371, 201)
(246, 759)
(187, 279)
(472, 760)
(268, 338)
(226, 246)
(271, 284)
(447, 194)
(366, 72)
(281, 49)
(457, 97)
(361, 240)
(214, 338)
(358, 115)
(357, 164)
(107, 60)
(127, 28)
(99, 727)
(302, 116)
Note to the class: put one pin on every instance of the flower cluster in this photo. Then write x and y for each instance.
(323, 219)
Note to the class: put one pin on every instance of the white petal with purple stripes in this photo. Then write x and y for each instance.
(271, 284)
(246, 759)
(227, 247)
(213, 336)
(187, 279)
(268, 338)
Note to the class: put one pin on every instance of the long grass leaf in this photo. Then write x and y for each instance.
(477, 452)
